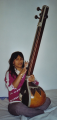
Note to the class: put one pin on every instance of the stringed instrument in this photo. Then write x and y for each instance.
(30, 94)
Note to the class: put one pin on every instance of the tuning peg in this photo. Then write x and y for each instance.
(38, 8)
(36, 17)
(40, 14)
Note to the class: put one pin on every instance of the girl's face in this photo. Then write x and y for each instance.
(18, 62)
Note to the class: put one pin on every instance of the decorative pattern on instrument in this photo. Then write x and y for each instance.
(34, 88)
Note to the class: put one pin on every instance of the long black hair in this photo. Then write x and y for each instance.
(12, 58)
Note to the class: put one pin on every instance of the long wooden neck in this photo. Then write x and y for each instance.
(37, 40)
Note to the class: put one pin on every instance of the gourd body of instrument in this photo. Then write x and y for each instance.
(31, 94)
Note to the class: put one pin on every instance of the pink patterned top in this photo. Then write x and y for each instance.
(13, 93)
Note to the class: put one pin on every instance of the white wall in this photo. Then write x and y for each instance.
(17, 31)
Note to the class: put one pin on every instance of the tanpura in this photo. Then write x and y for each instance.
(31, 94)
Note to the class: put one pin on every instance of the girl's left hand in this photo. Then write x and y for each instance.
(31, 78)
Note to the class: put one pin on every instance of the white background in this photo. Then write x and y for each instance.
(17, 32)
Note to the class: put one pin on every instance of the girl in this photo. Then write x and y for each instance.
(14, 79)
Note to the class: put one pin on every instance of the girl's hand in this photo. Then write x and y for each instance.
(23, 71)
(26, 64)
(31, 78)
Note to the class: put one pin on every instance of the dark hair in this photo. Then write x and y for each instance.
(12, 58)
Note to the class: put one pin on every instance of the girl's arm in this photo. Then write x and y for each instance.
(19, 77)
(10, 81)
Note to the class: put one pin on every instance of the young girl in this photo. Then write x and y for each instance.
(14, 79)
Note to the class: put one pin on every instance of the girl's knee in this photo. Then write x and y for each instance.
(48, 100)
(12, 110)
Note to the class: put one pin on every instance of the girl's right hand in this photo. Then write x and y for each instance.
(23, 71)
